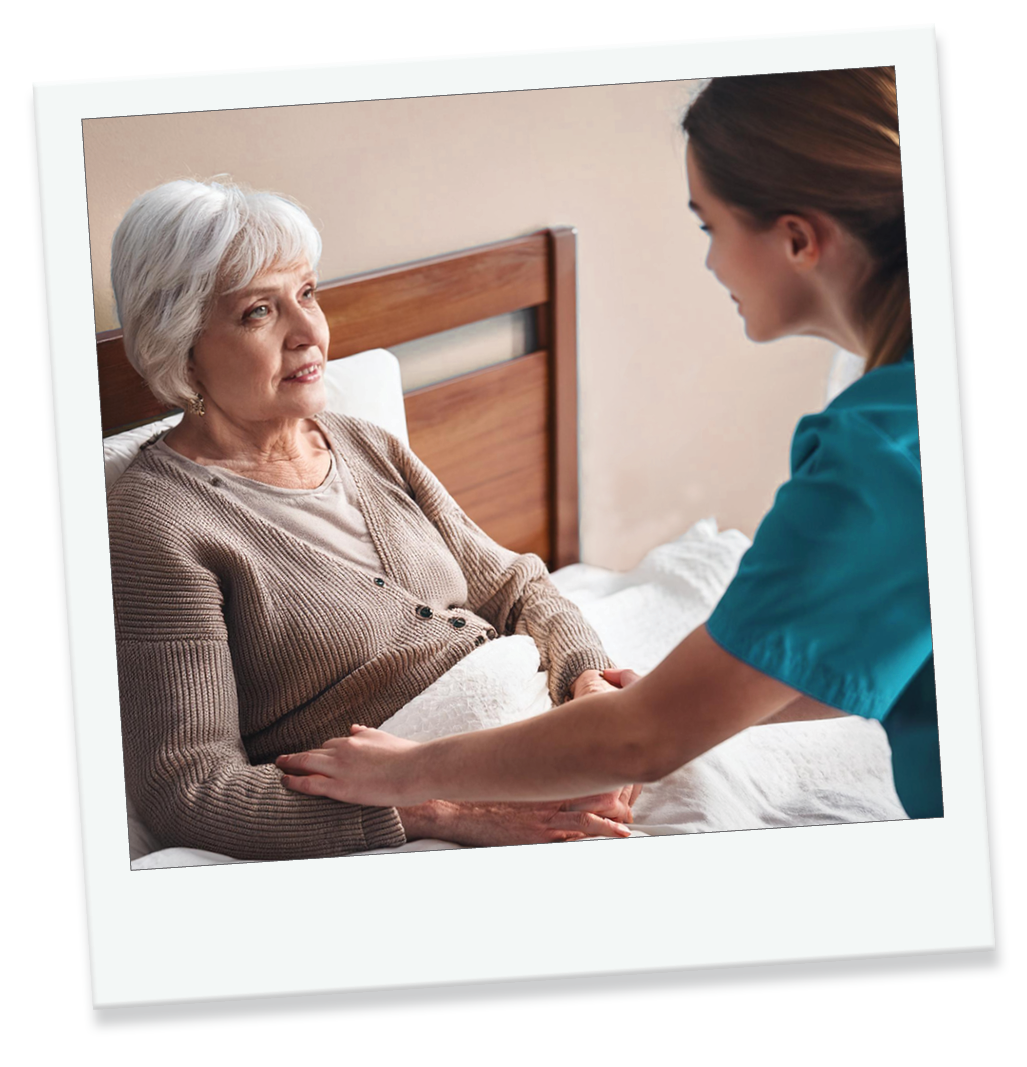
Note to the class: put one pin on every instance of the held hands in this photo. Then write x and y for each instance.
(620, 677)
(587, 683)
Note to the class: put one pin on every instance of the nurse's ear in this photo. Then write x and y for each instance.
(803, 237)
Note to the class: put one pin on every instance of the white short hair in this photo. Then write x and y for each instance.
(181, 244)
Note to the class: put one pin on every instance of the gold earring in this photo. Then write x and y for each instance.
(196, 405)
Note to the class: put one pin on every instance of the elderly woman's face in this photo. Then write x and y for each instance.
(262, 355)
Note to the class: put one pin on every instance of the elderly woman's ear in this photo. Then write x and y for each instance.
(194, 404)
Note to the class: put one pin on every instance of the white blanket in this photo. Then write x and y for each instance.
(788, 774)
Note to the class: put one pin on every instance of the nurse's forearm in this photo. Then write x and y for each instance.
(696, 698)
(592, 745)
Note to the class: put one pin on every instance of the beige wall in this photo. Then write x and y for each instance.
(680, 415)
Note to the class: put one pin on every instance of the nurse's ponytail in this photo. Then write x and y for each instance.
(775, 144)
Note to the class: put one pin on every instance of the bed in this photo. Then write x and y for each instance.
(503, 440)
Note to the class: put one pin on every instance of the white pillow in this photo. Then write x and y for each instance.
(121, 449)
(366, 386)
(496, 684)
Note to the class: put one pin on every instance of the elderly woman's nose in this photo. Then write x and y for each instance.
(302, 327)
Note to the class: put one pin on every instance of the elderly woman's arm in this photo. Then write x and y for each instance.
(187, 770)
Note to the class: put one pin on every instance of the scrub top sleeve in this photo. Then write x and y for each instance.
(831, 598)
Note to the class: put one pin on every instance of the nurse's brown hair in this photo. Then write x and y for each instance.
(828, 141)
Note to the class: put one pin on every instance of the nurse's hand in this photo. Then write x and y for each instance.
(368, 767)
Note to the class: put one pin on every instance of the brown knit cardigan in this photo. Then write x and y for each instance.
(237, 642)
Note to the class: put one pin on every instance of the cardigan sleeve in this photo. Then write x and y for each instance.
(513, 592)
(187, 770)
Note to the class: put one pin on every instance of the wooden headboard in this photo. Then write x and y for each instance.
(503, 440)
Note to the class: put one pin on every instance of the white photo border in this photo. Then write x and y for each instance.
(485, 914)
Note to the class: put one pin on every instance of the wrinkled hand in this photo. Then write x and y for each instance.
(589, 682)
(483, 824)
(368, 767)
(585, 684)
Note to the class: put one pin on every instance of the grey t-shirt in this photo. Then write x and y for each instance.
(327, 518)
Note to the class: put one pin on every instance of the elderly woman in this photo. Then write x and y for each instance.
(280, 572)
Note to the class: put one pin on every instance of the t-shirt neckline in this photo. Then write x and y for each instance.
(250, 484)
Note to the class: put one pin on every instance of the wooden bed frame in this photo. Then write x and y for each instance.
(503, 440)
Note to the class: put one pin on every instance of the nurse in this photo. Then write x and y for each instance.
(797, 180)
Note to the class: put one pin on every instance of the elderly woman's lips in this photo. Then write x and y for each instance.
(310, 373)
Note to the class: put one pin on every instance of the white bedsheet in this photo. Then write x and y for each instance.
(788, 774)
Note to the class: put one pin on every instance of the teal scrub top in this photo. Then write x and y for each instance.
(831, 598)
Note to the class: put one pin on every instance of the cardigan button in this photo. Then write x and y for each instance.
(457, 622)
(480, 639)
(424, 611)
(379, 581)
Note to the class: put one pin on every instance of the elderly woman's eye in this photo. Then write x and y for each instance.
(261, 311)
(310, 293)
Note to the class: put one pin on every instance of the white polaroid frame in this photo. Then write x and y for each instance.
(479, 914)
